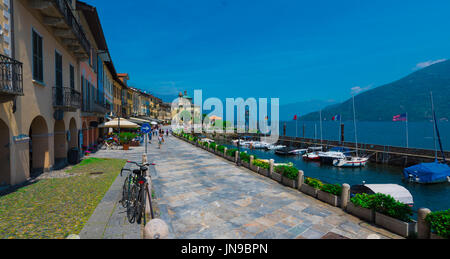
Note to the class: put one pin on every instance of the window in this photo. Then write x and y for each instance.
(58, 70)
(38, 72)
(72, 77)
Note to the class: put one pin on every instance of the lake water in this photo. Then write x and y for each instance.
(380, 133)
(434, 197)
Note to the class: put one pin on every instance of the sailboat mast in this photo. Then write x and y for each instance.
(436, 130)
(321, 135)
(354, 122)
(434, 127)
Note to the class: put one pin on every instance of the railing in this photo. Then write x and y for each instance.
(70, 19)
(11, 79)
(66, 98)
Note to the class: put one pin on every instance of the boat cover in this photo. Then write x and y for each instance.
(398, 192)
(340, 149)
(429, 172)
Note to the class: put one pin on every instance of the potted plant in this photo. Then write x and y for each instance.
(245, 159)
(125, 138)
(220, 150)
(230, 155)
(212, 147)
(331, 194)
(361, 207)
(261, 167)
(311, 187)
(440, 224)
(289, 175)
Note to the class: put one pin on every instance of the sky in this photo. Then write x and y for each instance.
(293, 50)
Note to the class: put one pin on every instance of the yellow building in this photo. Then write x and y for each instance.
(40, 104)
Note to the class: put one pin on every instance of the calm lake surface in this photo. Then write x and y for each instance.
(381, 133)
(434, 197)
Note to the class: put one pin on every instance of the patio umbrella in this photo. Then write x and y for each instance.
(124, 124)
(154, 123)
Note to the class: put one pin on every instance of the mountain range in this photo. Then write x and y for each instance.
(410, 94)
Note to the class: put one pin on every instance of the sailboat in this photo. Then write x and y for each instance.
(352, 161)
(428, 173)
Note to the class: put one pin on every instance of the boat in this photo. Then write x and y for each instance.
(312, 156)
(275, 147)
(430, 173)
(333, 154)
(352, 161)
(290, 151)
(398, 192)
(276, 164)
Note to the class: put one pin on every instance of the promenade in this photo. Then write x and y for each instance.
(202, 196)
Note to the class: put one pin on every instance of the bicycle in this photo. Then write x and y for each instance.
(134, 193)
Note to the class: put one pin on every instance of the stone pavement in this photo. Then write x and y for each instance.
(109, 220)
(202, 196)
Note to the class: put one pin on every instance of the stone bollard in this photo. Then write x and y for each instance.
(301, 178)
(252, 158)
(156, 229)
(423, 228)
(215, 149)
(225, 152)
(236, 156)
(147, 200)
(345, 196)
(272, 165)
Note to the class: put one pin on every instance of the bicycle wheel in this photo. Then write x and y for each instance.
(140, 210)
(126, 192)
(132, 203)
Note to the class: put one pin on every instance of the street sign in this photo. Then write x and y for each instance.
(145, 128)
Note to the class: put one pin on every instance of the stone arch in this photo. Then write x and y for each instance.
(60, 144)
(5, 154)
(39, 147)
(73, 134)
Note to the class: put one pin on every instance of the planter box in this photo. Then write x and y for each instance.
(230, 158)
(362, 213)
(329, 198)
(263, 172)
(309, 190)
(245, 164)
(435, 236)
(277, 177)
(396, 226)
(288, 182)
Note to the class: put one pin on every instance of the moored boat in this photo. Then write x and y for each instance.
(353, 161)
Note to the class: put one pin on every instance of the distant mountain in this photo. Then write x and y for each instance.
(410, 94)
(288, 111)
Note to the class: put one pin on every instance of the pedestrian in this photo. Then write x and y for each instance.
(160, 139)
(150, 137)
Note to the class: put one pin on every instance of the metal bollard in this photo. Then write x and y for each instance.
(156, 229)
(345, 196)
(423, 228)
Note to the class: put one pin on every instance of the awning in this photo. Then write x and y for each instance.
(124, 124)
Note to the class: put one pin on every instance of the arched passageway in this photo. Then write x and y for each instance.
(73, 143)
(39, 148)
(5, 155)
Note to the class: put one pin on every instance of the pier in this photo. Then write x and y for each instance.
(391, 155)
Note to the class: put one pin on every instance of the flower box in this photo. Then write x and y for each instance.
(263, 172)
(309, 190)
(289, 182)
(329, 198)
(245, 164)
(396, 226)
(276, 176)
(230, 158)
(362, 213)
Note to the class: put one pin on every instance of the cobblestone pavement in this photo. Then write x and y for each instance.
(202, 196)
(109, 220)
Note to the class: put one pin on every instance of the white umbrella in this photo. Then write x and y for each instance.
(154, 123)
(124, 124)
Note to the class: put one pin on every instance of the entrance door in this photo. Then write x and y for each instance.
(5, 173)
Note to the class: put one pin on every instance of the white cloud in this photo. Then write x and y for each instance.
(358, 89)
(428, 63)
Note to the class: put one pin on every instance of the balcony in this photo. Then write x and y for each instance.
(58, 15)
(11, 80)
(66, 99)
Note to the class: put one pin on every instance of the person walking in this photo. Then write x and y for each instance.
(160, 139)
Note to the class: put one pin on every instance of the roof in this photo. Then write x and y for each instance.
(91, 16)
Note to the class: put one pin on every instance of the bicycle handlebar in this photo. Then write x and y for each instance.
(140, 165)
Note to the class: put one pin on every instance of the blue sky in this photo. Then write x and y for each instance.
(292, 50)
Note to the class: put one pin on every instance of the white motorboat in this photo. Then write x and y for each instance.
(275, 147)
(333, 154)
(351, 162)
(311, 156)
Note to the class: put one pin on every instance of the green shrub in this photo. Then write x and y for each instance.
(440, 223)
(363, 200)
(231, 152)
(261, 164)
(212, 145)
(245, 157)
(126, 137)
(289, 172)
(220, 148)
(334, 189)
(315, 183)
(205, 144)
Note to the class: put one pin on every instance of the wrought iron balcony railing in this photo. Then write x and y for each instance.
(11, 77)
(66, 98)
(70, 19)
